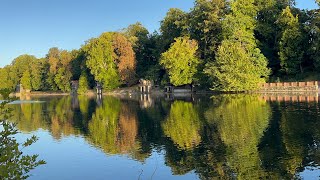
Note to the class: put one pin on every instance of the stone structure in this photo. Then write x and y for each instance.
(291, 87)
(145, 86)
(178, 89)
(21, 90)
(99, 88)
(74, 86)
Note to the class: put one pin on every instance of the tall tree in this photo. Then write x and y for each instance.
(291, 43)
(83, 83)
(239, 64)
(63, 75)
(38, 72)
(172, 26)
(124, 57)
(314, 36)
(205, 21)
(268, 31)
(146, 47)
(181, 61)
(100, 61)
(19, 65)
(5, 79)
(26, 80)
(53, 60)
(205, 26)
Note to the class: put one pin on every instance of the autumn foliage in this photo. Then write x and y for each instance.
(124, 57)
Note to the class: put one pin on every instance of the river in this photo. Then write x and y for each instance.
(196, 137)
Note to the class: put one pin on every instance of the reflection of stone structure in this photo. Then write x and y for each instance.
(291, 97)
(290, 86)
(74, 86)
(145, 86)
(145, 101)
(99, 88)
(20, 89)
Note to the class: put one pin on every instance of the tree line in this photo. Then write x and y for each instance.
(219, 44)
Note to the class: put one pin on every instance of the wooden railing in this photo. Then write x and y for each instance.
(292, 84)
(311, 86)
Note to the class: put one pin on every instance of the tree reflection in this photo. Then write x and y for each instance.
(61, 117)
(291, 143)
(227, 136)
(183, 125)
(114, 128)
(241, 121)
(29, 117)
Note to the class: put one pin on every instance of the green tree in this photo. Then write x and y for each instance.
(100, 61)
(63, 74)
(6, 81)
(147, 50)
(291, 43)
(314, 37)
(174, 25)
(181, 61)
(21, 64)
(53, 60)
(13, 163)
(26, 80)
(38, 72)
(136, 34)
(206, 26)
(83, 83)
(239, 65)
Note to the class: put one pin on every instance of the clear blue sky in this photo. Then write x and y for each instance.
(34, 26)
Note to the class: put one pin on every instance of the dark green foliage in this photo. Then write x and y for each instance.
(172, 26)
(83, 83)
(13, 163)
(291, 43)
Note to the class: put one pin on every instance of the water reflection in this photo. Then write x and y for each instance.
(225, 136)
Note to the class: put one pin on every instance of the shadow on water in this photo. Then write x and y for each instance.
(225, 136)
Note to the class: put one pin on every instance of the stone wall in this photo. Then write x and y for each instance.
(290, 86)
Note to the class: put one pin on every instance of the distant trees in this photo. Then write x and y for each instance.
(237, 43)
(181, 61)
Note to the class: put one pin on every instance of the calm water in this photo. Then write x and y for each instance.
(225, 136)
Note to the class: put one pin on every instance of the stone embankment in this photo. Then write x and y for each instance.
(311, 86)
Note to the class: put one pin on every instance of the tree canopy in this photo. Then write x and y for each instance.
(181, 61)
(240, 44)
